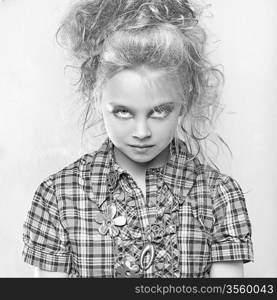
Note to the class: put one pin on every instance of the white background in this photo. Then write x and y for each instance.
(40, 130)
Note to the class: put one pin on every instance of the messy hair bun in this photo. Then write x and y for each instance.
(106, 36)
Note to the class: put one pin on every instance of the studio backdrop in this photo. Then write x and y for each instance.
(40, 128)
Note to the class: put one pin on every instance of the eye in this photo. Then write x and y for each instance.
(161, 112)
(122, 113)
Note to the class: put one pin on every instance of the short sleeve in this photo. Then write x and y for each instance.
(45, 240)
(231, 236)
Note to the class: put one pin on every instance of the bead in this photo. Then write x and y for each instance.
(131, 203)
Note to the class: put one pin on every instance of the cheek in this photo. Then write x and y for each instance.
(115, 127)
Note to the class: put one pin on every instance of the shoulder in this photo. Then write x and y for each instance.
(213, 180)
(217, 196)
(70, 174)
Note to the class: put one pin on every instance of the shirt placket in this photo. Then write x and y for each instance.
(146, 208)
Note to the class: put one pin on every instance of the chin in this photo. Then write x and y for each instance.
(140, 159)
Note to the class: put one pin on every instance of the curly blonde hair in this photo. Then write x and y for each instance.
(107, 36)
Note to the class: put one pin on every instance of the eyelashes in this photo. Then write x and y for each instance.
(122, 113)
(159, 112)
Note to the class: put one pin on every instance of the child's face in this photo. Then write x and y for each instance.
(128, 102)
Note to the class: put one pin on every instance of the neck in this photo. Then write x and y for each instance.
(136, 168)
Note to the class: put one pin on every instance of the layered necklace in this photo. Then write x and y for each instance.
(141, 250)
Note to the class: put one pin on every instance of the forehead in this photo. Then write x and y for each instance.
(142, 87)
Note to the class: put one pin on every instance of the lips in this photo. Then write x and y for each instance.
(141, 146)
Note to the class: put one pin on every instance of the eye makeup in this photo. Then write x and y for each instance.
(162, 110)
(121, 113)
(166, 108)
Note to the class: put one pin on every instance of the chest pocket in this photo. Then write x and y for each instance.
(195, 235)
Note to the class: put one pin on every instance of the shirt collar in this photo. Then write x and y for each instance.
(179, 172)
(96, 174)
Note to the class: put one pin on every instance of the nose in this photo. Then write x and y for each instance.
(142, 130)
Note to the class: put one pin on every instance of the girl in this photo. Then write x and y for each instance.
(147, 203)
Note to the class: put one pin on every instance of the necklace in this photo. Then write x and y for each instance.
(137, 248)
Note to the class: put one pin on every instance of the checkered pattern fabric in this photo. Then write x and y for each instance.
(211, 223)
(152, 221)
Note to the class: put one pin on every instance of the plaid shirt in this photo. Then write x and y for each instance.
(61, 232)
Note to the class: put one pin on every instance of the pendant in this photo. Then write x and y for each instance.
(147, 248)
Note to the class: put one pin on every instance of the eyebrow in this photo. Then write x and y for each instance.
(166, 104)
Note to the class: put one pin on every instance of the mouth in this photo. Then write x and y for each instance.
(141, 146)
